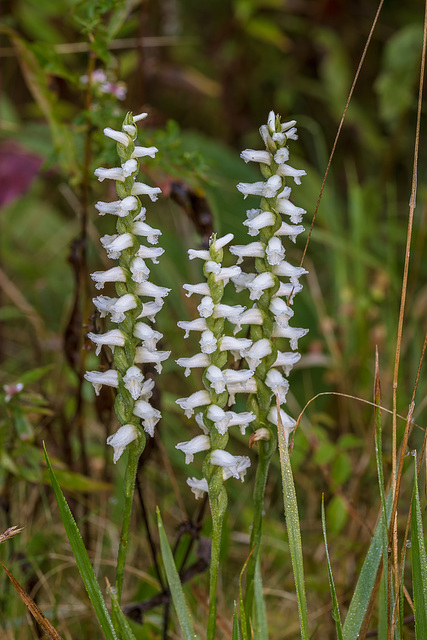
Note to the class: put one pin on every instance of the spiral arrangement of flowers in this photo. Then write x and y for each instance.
(134, 341)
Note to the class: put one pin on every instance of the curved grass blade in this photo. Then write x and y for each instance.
(236, 631)
(419, 564)
(175, 585)
(335, 606)
(260, 614)
(293, 528)
(365, 584)
(122, 623)
(82, 558)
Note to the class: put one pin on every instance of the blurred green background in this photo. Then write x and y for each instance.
(208, 73)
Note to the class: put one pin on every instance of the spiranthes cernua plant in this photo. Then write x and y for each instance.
(133, 341)
(272, 284)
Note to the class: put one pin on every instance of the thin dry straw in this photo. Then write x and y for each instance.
(350, 95)
(403, 296)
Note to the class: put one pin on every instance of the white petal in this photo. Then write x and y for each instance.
(198, 487)
(197, 444)
(278, 384)
(206, 307)
(118, 136)
(283, 205)
(290, 230)
(115, 274)
(287, 359)
(260, 221)
(99, 378)
(143, 356)
(259, 350)
(201, 289)
(141, 228)
(115, 173)
(287, 422)
(251, 155)
(197, 361)
(274, 252)
(216, 378)
(285, 170)
(251, 250)
(293, 333)
(199, 324)
(133, 380)
(120, 440)
(207, 342)
(139, 270)
(197, 399)
(113, 338)
(203, 254)
(129, 167)
(152, 291)
(219, 243)
(259, 284)
(139, 188)
(142, 152)
(115, 244)
(151, 253)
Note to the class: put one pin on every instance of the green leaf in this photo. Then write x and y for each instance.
(71, 481)
(260, 628)
(335, 606)
(236, 631)
(123, 624)
(365, 584)
(419, 564)
(82, 558)
(293, 528)
(174, 583)
(243, 619)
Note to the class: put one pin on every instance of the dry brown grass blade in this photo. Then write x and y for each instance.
(37, 613)
(9, 533)
(412, 203)
(350, 95)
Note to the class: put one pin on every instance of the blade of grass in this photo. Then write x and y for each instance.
(292, 526)
(82, 558)
(366, 582)
(123, 626)
(174, 583)
(243, 619)
(236, 631)
(260, 629)
(419, 564)
(335, 606)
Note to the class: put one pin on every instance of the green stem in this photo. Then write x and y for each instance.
(135, 450)
(213, 575)
(266, 450)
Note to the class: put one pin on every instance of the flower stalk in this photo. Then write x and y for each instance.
(133, 342)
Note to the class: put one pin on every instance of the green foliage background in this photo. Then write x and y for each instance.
(208, 73)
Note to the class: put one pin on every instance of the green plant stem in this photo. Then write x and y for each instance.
(266, 450)
(135, 450)
(213, 575)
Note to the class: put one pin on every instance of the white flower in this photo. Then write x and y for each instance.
(197, 399)
(260, 349)
(212, 267)
(140, 116)
(150, 309)
(259, 284)
(219, 243)
(250, 155)
(285, 170)
(199, 324)
(219, 417)
(143, 356)
(249, 386)
(197, 444)
(139, 270)
(148, 336)
(141, 228)
(206, 307)
(203, 254)
(231, 312)
(115, 244)
(152, 291)
(207, 342)
(293, 333)
(151, 253)
(115, 173)
(115, 274)
(281, 156)
(118, 136)
(198, 487)
(281, 311)
(99, 378)
(283, 205)
(226, 273)
(251, 316)
(113, 338)
(133, 380)
(290, 230)
(260, 221)
(120, 208)
(147, 389)
(287, 359)
(216, 378)
(288, 290)
(278, 384)
(148, 414)
(139, 188)
(287, 270)
(243, 280)
(233, 466)
(129, 167)
(201, 289)
(120, 440)
(119, 306)
(130, 129)
(266, 189)
(274, 252)
(251, 250)
(199, 360)
(287, 422)
(235, 345)
(142, 152)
